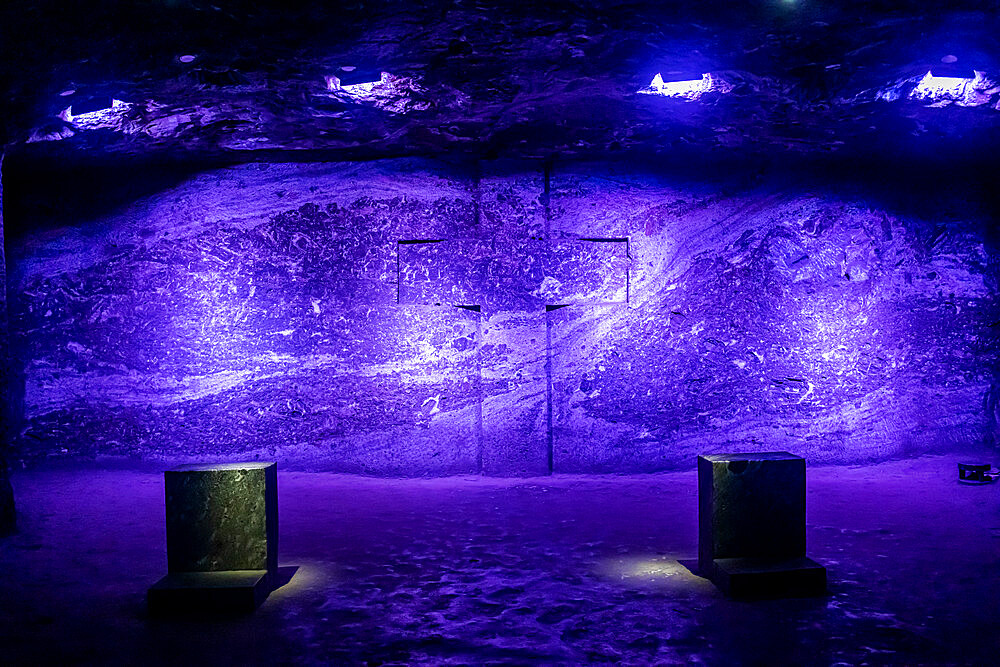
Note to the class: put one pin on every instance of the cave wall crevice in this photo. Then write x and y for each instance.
(8, 517)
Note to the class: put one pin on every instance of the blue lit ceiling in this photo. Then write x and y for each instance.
(378, 79)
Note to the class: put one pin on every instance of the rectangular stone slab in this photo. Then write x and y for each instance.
(751, 506)
(222, 517)
(234, 591)
(768, 577)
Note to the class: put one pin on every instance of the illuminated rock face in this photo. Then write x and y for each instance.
(410, 318)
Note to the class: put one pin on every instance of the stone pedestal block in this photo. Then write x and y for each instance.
(222, 537)
(752, 525)
(225, 592)
(769, 577)
(751, 505)
(222, 517)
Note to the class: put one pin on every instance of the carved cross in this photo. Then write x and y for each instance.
(513, 285)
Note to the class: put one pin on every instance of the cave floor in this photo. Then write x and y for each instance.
(468, 570)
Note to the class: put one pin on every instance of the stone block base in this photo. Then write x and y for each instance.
(768, 577)
(193, 593)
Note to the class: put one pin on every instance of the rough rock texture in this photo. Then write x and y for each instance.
(769, 318)
(413, 317)
(499, 78)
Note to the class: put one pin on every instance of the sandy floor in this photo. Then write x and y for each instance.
(558, 570)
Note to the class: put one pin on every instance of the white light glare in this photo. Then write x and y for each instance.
(689, 90)
(395, 94)
(112, 117)
(942, 90)
(333, 84)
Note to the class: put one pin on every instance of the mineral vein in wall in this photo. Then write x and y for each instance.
(311, 313)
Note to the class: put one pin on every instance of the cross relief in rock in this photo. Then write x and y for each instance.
(513, 274)
(515, 285)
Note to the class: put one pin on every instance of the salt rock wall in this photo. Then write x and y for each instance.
(770, 319)
(410, 318)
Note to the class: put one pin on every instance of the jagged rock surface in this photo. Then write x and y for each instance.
(627, 320)
(507, 79)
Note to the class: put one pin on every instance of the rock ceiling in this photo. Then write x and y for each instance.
(500, 79)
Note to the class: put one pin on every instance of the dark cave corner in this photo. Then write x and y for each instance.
(7, 513)
(991, 401)
(8, 518)
(992, 407)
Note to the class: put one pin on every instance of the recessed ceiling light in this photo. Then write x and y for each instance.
(963, 91)
(96, 112)
(353, 81)
(691, 89)
(186, 59)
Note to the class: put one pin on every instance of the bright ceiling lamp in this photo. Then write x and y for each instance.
(109, 113)
(395, 94)
(354, 82)
(964, 92)
(692, 89)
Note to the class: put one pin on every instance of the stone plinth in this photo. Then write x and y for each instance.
(222, 537)
(751, 505)
(222, 517)
(231, 591)
(769, 577)
(752, 525)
